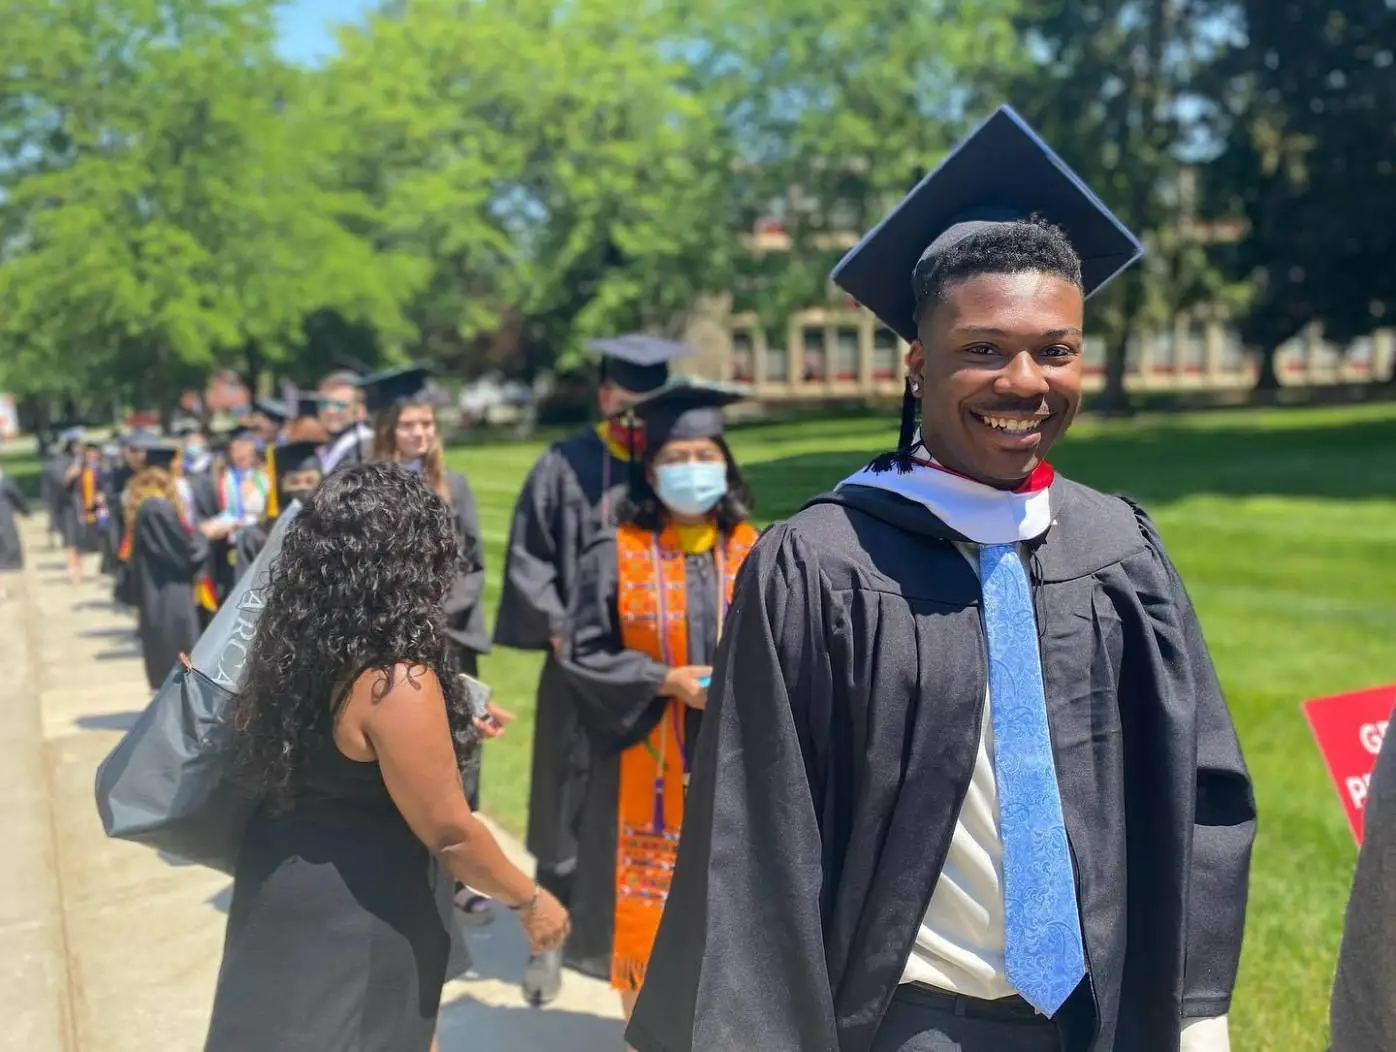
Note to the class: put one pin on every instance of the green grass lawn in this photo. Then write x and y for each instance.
(1281, 522)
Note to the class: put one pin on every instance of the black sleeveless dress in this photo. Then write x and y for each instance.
(341, 926)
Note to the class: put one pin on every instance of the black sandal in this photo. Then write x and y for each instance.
(475, 909)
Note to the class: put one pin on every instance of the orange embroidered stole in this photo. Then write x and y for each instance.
(651, 600)
(87, 483)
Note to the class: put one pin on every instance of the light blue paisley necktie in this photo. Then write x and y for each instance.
(1043, 954)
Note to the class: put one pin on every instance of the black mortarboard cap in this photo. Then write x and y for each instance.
(637, 362)
(1000, 173)
(273, 409)
(307, 405)
(683, 410)
(297, 456)
(159, 452)
(395, 386)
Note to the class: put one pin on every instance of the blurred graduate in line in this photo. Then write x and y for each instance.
(967, 780)
(198, 469)
(68, 501)
(294, 466)
(342, 412)
(91, 494)
(12, 503)
(167, 555)
(568, 499)
(52, 488)
(242, 491)
(131, 461)
(404, 432)
(648, 609)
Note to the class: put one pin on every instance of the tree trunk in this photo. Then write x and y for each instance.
(1114, 399)
(252, 377)
(1267, 378)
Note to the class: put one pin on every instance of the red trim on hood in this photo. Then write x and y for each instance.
(1040, 478)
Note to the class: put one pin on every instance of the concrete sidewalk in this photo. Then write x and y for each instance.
(108, 947)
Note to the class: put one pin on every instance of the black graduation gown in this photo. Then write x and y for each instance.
(565, 503)
(249, 544)
(205, 490)
(618, 693)
(838, 744)
(114, 483)
(68, 501)
(12, 503)
(164, 561)
(465, 608)
(51, 489)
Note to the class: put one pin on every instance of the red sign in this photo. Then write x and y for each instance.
(1349, 729)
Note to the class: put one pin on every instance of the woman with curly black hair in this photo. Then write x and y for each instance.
(353, 730)
(643, 628)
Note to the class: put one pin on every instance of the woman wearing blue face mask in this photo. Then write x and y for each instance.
(649, 605)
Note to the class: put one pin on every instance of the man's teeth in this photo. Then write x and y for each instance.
(1000, 423)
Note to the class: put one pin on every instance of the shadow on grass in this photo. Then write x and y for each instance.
(1157, 464)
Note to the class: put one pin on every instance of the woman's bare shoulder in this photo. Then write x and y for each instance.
(404, 680)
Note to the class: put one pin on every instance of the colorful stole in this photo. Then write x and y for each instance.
(273, 491)
(651, 599)
(87, 483)
(618, 439)
(230, 492)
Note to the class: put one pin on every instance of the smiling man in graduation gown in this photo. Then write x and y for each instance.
(966, 779)
(569, 498)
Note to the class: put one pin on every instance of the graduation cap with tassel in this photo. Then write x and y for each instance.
(1001, 173)
(683, 409)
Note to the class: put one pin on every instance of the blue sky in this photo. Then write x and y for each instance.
(305, 26)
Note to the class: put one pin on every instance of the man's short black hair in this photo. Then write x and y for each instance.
(1004, 248)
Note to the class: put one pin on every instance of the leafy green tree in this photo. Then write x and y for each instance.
(548, 162)
(1311, 166)
(1113, 85)
(161, 207)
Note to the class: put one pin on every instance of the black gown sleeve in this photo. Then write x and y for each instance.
(531, 609)
(1363, 1011)
(468, 589)
(162, 541)
(250, 542)
(1224, 820)
(11, 492)
(739, 961)
(618, 688)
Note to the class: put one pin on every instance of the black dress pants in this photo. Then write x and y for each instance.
(923, 1020)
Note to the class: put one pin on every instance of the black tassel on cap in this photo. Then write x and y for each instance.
(906, 438)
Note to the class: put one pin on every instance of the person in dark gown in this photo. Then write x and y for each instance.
(196, 468)
(297, 470)
(648, 609)
(168, 556)
(405, 433)
(12, 503)
(1362, 1009)
(568, 498)
(967, 781)
(132, 461)
(51, 490)
(352, 733)
(68, 504)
